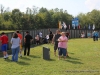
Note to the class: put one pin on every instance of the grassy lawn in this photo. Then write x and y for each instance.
(84, 60)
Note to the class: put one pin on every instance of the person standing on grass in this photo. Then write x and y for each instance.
(0, 43)
(67, 35)
(55, 40)
(20, 36)
(62, 45)
(4, 41)
(27, 40)
(50, 36)
(15, 41)
(96, 36)
(93, 35)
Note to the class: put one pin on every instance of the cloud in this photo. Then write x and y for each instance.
(93, 4)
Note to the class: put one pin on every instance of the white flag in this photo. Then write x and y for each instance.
(64, 25)
(69, 26)
(93, 27)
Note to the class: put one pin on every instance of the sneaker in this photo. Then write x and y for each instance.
(4, 57)
(7, 56)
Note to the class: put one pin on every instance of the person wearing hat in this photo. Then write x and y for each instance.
(4, 41)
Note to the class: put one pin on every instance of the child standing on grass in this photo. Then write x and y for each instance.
(62, 45)
(0, 43)
(4, 41)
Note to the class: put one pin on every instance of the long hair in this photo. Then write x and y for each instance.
(15, 35)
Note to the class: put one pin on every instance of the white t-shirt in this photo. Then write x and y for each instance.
(47, 36)
(40, 34)
(15, 42)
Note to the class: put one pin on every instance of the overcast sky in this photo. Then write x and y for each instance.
(73, 7)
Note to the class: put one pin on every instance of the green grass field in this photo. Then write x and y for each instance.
(84, 60)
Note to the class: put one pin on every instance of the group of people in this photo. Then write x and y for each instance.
(44, 40)
(94, 34)
(60, 40)
(16, 44)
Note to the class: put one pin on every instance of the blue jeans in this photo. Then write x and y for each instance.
(15, 52)
(0, 48)
(62, 51)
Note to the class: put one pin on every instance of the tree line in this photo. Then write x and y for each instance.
(90, 18)
(39, 18)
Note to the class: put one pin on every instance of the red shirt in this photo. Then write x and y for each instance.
(20, 36)
(4, 39)
(0, 38)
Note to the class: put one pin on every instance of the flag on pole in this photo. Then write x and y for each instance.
(93, 27)
(74, 26)
(64, 25)
(84, 27)
(60, 26)
(89, 26)
(69, 26)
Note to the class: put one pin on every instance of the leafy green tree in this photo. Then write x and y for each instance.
(16, 16)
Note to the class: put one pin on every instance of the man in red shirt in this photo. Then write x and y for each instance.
(20, 36)
(0, 43)
(4, 41)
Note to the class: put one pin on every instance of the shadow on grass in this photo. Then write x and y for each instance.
(8, 60)
(70, 53)
(73, 58)
(19, 62)
(33, 56)
(22, 63)
(34, 45)
(50, 60)
(74, 62)
(25, 58)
